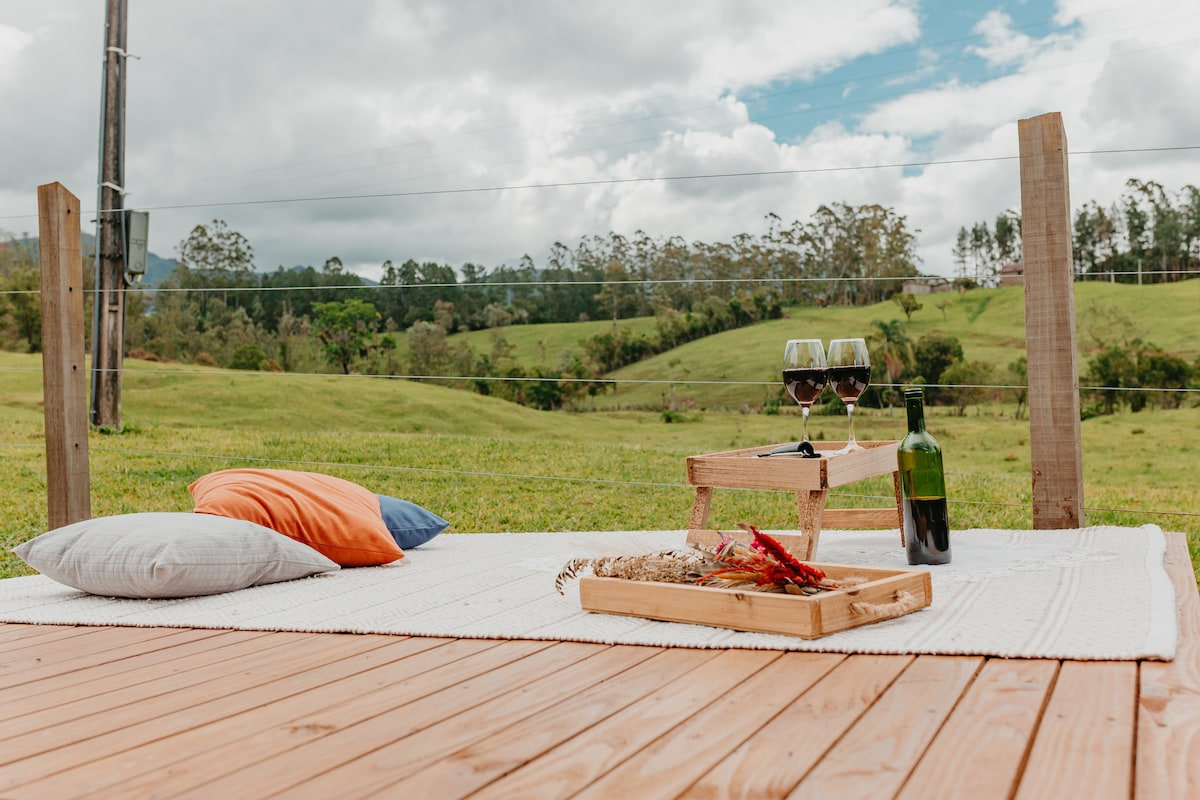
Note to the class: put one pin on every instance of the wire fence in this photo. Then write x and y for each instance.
(1165, 274)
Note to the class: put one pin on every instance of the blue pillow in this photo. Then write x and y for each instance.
(409, 524)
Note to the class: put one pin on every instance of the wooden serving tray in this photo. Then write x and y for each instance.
(886, 593)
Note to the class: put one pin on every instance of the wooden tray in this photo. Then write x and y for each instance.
(886, 593)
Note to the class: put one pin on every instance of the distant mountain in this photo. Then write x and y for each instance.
(158, 269)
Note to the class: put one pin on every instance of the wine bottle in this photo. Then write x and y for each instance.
(922, 489)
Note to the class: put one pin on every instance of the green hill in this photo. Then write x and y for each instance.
(489, 465)
(990, 324)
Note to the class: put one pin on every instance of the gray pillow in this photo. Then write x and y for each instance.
(168, 554)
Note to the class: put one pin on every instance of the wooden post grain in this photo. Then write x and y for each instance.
(1055, 445)
(64, 385)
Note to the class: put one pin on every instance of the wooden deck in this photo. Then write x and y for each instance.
(160, 712)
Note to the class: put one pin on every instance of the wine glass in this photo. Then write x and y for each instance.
(849, 375)
(804, 373)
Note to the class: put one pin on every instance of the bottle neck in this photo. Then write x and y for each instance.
(915, 407)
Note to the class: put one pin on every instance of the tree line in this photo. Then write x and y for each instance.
(217, 309)
(216, 302)
(1147, 235)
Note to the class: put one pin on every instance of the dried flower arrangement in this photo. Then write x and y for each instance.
(763, 564)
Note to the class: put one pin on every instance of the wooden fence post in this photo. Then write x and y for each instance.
(64, 388)
(1055, 444)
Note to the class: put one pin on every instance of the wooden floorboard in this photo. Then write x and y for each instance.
(1084, 744)
(61, 747)
(189, 755)
(980, 752)
(1168, 726)
(163, 687)
(68, 653)
(131, 670)
(490, 757)
(888, 740)
(774, 760)
(579, 761)
(356, 731)
(399, 758)
(140, 713)
(680, 757)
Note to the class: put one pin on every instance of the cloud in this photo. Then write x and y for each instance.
(400, 109)
(1003, 46)
(12, 42)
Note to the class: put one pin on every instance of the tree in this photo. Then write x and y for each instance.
(967, 380)
(933, 353)
(1018, 379)
(890, 346)
(615, 295)
(249, 356)
(20, 305)
(908, 303)
(1007, 234)
(216, 252)
(960, 251)
(345, 330)
(427, 350)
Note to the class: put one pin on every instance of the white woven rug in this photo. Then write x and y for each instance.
(1093, 593)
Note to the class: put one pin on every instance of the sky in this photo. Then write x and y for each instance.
(482, 130)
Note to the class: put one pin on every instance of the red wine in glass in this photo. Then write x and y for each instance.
(849, 376)
(804, 384)
(804, 373)
(848, 383)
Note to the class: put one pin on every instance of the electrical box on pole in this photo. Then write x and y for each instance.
(137, 231)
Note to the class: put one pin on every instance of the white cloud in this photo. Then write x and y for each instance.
(235, 102)
(1003, 46)
(12, 42)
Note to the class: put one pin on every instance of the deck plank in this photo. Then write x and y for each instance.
(85, 686)
(575, 763)
(1084, 744)
(24, 634)
(190, 755)
(77, 742)
(1168, 724)
(114, 704)
(369, 776)
(772, 761)
(353, 730)
(980, 751)
(66, 653)
(481, 761)
(889, 739)
(675, 761)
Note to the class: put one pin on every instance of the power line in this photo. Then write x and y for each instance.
(642, 179)
(620, 181)
(605, 381)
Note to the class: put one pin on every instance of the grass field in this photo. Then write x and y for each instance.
(989, 323)
(487, 465)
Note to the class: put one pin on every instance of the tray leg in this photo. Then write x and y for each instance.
(811, 505)
(701, 506)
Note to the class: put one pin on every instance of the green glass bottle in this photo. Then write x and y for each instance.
(922, 489)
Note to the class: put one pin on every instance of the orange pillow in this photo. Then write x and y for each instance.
(337, 518)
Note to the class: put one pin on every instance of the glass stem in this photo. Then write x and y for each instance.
(850, 413)
(804, 413)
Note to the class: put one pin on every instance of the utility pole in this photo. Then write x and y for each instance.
(108, 317)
